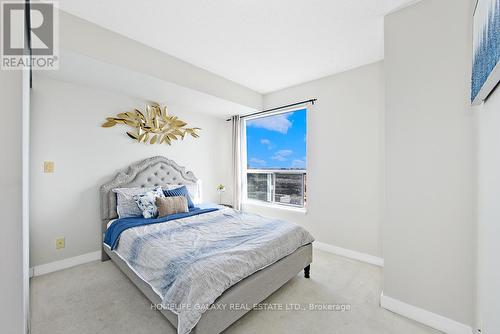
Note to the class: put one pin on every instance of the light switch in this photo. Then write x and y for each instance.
(48, 166)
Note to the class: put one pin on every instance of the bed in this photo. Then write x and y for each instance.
(264, 277)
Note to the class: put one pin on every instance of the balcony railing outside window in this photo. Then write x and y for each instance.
(285, 187)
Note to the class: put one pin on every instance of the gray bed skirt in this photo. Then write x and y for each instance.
(251, 290)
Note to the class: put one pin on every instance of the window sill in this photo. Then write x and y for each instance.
(275, 206)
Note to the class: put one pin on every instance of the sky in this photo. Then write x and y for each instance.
(277, 141)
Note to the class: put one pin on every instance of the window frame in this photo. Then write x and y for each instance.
(245, 170)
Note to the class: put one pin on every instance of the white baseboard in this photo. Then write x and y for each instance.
(63, 264)
(349, 253)
(425, 317)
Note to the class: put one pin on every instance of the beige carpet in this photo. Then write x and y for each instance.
(98, 298)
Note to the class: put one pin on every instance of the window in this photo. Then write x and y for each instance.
(276, 158)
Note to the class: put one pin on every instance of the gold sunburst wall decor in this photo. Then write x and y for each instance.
(154, 126)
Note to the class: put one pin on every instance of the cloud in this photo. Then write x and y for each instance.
(281, 155)
(257, 161)
(267, 143)
(279, 123)
(297, 163)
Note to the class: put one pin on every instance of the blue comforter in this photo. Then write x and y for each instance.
(190, 262)
(118, 226)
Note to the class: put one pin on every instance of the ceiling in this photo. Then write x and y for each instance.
(117, 79)
(265, 45)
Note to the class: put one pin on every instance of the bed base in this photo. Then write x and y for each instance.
(307, 271)
(251, 290)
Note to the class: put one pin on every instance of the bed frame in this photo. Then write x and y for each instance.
(158, 171)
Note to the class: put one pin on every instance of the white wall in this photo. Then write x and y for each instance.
(429, 232)
(345, 156)
(489, 213)
(11, 238)
(65, 128)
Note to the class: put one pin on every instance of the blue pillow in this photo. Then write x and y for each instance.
(181, 191)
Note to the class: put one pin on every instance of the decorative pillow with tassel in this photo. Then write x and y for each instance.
(171, 205)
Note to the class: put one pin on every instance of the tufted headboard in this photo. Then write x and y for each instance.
(155, 171)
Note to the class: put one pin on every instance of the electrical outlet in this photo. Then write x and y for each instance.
(60, 243)
(48, 166)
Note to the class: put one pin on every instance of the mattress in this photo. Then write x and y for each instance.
(190, 262)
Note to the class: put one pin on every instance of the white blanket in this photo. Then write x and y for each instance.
(190, 262)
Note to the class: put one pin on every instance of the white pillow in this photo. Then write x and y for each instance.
(125, 203)
(147, 202)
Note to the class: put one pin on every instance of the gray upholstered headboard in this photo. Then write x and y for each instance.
(155, 171)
